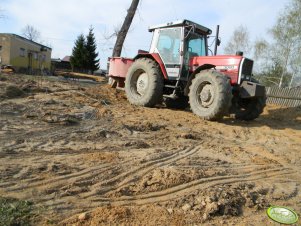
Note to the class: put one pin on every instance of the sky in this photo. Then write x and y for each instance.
(61, 21)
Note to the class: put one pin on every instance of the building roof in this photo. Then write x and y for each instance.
(66, 58)
(56, 60)
(180, 23)
(33, 42)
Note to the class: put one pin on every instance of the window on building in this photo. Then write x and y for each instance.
(22, 52)
(35, 56)
(0, 48)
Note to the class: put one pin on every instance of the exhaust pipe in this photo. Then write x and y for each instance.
(217, 41)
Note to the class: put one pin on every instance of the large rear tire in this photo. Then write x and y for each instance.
(144, 83)
(210, 95)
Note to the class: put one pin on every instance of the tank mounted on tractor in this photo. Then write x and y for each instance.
(179, 70)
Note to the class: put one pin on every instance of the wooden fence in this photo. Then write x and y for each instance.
(284, 96)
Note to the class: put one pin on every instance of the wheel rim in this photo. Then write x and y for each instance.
(205, 94)
(142, 83)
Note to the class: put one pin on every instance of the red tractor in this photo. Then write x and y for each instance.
(178, 70)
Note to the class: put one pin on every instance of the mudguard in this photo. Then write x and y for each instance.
(156, 57)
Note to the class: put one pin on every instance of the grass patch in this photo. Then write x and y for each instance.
(15, 212)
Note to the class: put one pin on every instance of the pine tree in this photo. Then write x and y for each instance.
(91, 54)
(79, 52)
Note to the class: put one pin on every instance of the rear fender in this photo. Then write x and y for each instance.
(155, 57)
(192, 76)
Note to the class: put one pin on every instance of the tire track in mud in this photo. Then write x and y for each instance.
(56, 182)
(187, 188)
(129, 176)
(120, 179)
(95, 195)
(33, 183)
(50, 132)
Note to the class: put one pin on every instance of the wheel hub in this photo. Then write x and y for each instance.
(142, 83)
(206, 95)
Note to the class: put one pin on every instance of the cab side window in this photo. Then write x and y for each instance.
(169, 44)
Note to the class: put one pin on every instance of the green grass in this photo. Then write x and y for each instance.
(15, 212)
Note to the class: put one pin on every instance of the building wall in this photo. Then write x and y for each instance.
(24, 55)
(5, 49)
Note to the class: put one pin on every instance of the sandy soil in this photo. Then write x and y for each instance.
(85, 156)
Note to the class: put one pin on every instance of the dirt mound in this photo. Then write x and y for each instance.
(227, 200)
(222, 201)
(146, 215)
(158, 180)
(13, 87)
(13, 92)
(143, 126)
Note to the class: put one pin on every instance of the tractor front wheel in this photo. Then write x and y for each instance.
(247, 109)
(144, 83)
(210, 95)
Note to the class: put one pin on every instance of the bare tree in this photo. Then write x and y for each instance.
(261, 47)
(287, 40)
(31, 33)
(121, 35)
(240, 41)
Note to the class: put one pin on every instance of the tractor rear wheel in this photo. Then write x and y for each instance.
(210, 95)
(144, 83)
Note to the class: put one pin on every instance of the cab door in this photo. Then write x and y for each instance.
(169, 47)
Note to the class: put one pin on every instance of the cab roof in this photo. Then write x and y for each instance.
(179, 23)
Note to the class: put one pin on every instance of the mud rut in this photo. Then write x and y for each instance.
(131, 156)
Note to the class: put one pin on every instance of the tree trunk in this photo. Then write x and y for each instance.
(292, 79)
(284, 70)
(125, 28)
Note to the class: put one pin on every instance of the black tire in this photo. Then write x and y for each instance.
(181, 102)
(210, 95)
(247, 109)
(146, 91)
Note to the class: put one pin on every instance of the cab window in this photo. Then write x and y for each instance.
(169, 44)
(197, 45)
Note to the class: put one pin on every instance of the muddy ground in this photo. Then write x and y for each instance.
(84, 156)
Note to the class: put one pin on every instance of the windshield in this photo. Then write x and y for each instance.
(196, 45)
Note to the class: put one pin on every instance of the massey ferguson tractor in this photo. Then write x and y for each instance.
(179, 70)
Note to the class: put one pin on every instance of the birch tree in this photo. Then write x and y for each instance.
(239, 41)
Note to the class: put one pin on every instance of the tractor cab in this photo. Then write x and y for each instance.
(176, 43)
